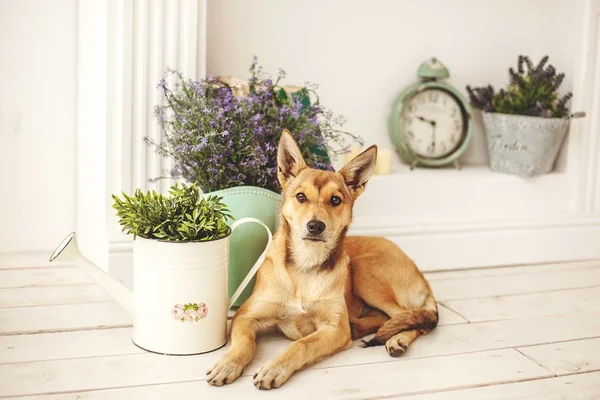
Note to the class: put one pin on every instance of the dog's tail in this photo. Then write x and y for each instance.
(424, 318)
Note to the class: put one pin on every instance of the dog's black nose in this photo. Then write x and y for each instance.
(315, 227)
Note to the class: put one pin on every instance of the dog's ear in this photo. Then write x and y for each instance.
(359, 170)
(289, 159)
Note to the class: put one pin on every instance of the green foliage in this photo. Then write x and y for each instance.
(532, 90)
(184, 216)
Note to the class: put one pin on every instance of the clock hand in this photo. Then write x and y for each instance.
(433, 136)
(429, 121)
(424, 119)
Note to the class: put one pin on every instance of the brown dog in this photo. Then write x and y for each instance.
(321, 288)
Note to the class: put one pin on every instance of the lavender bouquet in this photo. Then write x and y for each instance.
(532, 91)
(222, 135)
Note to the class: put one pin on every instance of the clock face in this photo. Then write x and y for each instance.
(433, 123)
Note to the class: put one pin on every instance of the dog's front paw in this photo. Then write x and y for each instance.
(224, 371)
(272, 375)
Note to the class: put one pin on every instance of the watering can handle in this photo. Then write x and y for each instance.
(258, 262)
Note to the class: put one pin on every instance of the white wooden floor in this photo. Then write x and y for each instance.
(504, 333)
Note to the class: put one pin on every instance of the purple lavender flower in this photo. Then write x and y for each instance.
(243, 131)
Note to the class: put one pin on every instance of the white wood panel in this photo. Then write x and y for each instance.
(139, 94)
(567, 358)
(29, 260)
(575, 387)
(154, 72)
(62, 318)
(42, 277)
(512, 270)
(488, 246)
(170, 47)
(52, 295)
(394, 377)
(528, 305)
(189, 22)
(506, 284)
(584, 141)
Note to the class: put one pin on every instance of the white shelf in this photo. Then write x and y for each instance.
(471, 194)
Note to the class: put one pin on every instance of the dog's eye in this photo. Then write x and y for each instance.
(301, 197)
(336, 201)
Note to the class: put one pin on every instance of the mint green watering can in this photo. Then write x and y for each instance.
(248, 241)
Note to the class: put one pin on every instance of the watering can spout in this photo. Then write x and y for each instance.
(68, 251)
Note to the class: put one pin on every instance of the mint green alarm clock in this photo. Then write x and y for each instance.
(430, 123)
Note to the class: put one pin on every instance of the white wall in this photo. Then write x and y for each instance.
(363, 53)
(37, 123)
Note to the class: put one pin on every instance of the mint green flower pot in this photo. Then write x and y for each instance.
(248, 241)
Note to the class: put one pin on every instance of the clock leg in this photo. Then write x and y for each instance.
(413, 165)
(456, 164)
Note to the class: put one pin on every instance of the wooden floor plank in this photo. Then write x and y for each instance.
(42, 277)
(65, 345)
(574, 387)
(394, 377)
(81, 344)
(508, 284)
(528, 305)
(108, 342)
(52, 295)
(513, 270)
(62, 318)
(449, 317)
(462, 338)
(104, 364)
(567, 358)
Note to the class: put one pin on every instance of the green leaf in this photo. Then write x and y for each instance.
(282, 96)
(303, 96)
(181, 216)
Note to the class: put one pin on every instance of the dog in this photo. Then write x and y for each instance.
(321, 288)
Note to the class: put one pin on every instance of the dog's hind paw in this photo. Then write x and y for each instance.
(369, 342)
(223, 372)
(395, 347)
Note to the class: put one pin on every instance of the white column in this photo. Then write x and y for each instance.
(585, 142)
(124, 48)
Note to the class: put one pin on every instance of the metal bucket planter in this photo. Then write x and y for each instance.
(523, 145)
(180, 295)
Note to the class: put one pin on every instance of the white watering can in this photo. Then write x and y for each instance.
(179, 305)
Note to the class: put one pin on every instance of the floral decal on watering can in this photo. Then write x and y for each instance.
(189, 312)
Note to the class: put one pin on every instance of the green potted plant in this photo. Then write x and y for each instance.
(222, 134)
(526, 122)
(179, 267)
(183, 216)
